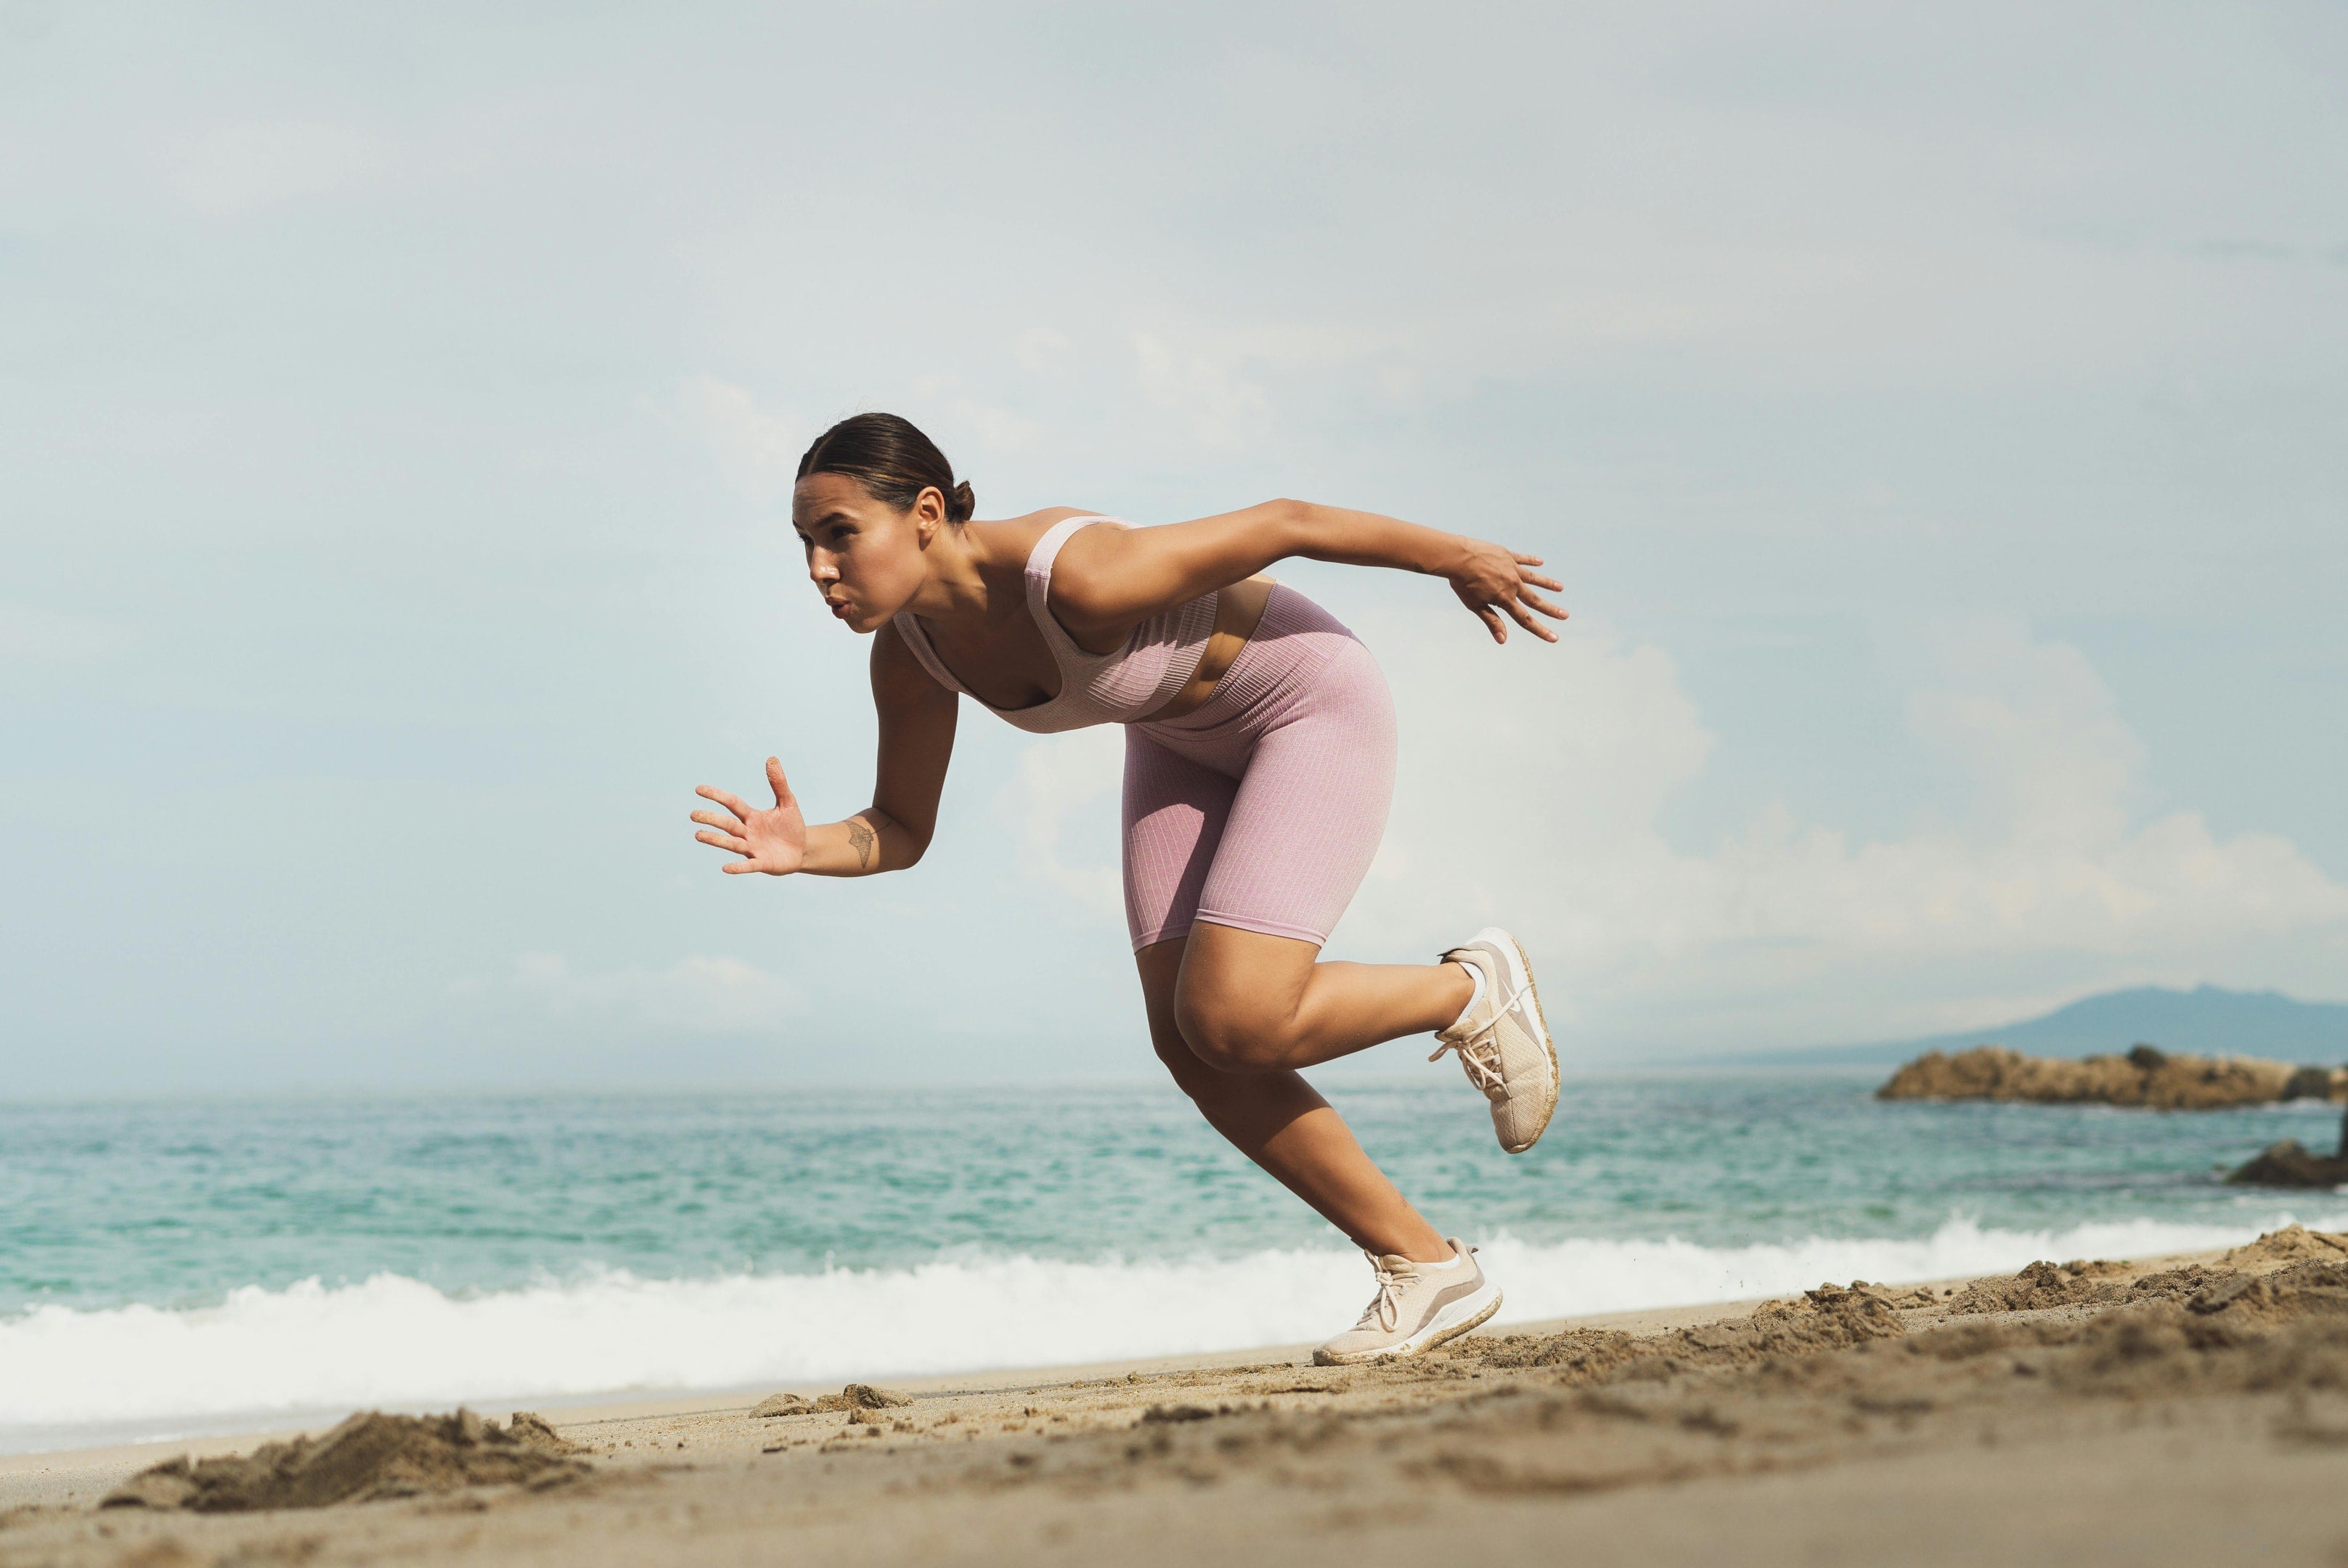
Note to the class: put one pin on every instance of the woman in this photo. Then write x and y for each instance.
(1259, 757)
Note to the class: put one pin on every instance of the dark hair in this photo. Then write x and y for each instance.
(892, 459)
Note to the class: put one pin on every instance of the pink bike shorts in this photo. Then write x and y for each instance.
(1262, 809)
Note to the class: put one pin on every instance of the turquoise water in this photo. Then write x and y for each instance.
(570, 1245)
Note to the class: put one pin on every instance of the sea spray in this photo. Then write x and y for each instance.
(392, 1342)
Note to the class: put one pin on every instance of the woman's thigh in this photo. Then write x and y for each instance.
(1304, 822)
(1175, 811)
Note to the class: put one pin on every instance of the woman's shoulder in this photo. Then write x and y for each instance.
(1013, 539)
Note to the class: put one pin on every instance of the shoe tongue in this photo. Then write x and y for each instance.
(1395, 1263)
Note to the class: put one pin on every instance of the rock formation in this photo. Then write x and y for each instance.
(2147, 1077)
(2291, 1164)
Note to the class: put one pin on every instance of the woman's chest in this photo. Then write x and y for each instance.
(1006, 667)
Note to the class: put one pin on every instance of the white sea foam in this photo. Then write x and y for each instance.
(69, 1375)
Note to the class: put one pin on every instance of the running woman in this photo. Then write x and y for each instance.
(1259, 765)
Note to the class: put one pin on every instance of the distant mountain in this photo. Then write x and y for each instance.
(2207, 1020)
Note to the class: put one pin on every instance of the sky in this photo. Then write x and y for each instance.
(1939, 417)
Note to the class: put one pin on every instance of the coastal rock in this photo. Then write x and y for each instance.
(369, 1457)
(774, 1405)
(2147, 1077)
(2290, 1164)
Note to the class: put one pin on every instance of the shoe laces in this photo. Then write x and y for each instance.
(1479, 1050)
(1384, 1309)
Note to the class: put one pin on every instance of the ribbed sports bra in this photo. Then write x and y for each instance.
(1137, 678)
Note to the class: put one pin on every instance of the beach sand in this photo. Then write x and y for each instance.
(2156, 1412)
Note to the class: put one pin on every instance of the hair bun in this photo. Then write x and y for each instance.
(961, 503)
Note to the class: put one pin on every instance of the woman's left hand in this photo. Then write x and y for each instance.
(1489, 579)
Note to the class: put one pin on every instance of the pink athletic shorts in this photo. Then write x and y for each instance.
(1262, 809)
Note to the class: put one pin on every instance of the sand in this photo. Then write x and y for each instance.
(2164, 1410)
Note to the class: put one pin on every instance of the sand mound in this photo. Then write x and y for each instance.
(369, 1457)
(2041, 1286)
(860, 1397)
(1828, 1319)
(855, 1398)
(2293, 1243)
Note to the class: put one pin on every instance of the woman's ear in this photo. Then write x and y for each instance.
(929, 514)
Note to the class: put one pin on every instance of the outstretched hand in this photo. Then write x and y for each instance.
(773, 842)
(1490, 578)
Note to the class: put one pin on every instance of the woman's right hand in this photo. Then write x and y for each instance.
(1489, 579)
(773, 842)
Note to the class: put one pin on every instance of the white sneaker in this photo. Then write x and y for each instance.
(1418, 1306)
(1502, 1041)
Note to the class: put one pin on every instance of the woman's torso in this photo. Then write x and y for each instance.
(1137, 678)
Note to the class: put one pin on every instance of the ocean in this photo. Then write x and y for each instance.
(173, 1268)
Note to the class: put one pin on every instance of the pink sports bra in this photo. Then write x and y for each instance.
(1115, 688)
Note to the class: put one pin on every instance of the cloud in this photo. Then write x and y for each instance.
(230, 170)
(31, 635)
(1532, 789)
(1066, 797)
(757, 449)
(696, 995)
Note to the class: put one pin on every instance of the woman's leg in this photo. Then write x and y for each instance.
(1176, 811)
(1249, 1002)
(1298, 837)
(1281, 1123)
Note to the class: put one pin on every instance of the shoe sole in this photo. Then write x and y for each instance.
(1439, 1332)
(1515, 951)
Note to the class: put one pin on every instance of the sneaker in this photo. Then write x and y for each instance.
(1418, 1306)
(1502, 1041)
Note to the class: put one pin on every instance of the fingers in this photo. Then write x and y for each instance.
(1526, 620)
(736, 868)
(722, 824)
(1491, 618)
(732, 803)
(1536, 580)
(776, 781)
(1554, 611)
(1524, 559)
(724, 841)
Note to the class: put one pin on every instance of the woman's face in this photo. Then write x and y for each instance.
(863, 555)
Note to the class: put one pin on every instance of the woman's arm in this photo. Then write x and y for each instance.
(1107, 581)
(917, 728)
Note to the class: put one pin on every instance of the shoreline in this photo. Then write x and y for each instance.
(2174, 1407)
(86, 1467)
(50, 1476)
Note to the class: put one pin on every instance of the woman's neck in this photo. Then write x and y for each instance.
(969, 582)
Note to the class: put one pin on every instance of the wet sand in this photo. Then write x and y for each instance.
(2164, 1410)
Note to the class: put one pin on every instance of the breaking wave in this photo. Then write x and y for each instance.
(310, 1350)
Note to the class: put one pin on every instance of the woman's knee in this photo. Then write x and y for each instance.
(1230, 1035)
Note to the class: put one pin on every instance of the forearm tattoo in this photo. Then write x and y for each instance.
(861, 838)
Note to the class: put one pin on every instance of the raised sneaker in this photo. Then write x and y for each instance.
(1502, 1041)
(1418, 1306)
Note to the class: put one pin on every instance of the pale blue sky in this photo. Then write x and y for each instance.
(1940, 424)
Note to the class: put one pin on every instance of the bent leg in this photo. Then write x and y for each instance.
(1249, 1002)
(1297, 838)
(1281, 1123)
